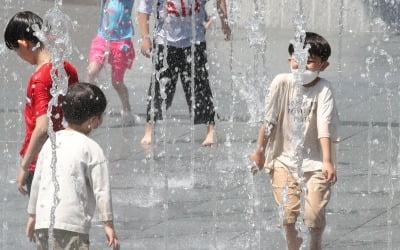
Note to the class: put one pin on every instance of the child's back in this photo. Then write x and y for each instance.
(78, 177)
(82, 176)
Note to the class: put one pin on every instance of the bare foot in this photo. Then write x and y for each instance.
(209, 140)
(146, 140)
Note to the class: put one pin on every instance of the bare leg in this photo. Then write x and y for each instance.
(209, 140)
(293, 241)
(146, 140)
(93, 71)
(123, 94)
(316, 238)
(208, 23)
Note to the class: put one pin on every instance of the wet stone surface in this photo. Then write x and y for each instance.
(177, 194)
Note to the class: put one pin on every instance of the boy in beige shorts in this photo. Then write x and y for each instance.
(277, 133)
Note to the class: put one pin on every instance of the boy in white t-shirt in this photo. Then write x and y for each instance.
(81, 176)
(172, 45)
(320, 119)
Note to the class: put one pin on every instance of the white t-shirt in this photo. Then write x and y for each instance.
(82, 175)
(174, 21)
(320, 120)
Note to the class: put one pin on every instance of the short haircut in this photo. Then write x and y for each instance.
(20, 27)
(319, 46)
(83, 101)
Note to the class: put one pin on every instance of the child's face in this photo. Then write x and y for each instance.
(314, 63)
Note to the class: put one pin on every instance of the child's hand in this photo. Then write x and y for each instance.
(329, 171)
(259, 159)
(30, 228)
(21, 178)
(112, 239)
(146, 46)
(254, 169)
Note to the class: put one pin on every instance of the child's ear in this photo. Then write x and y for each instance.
(324, 65)
(95, 121)
(23, 43)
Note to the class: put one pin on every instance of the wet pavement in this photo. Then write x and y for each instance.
(177, 194)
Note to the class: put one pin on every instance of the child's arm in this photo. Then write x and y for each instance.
(328, 170)
(30, 227)
(258, 157)
(98, 178)
(39, 137)
(112, 239)
(144, 31)
(223, 15)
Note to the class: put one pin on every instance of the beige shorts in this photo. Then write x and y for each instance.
(317, 195)
(63, 240)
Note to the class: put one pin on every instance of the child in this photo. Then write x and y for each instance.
(114, 40)
(19, 36)
(82, 177)
(320, 122)
(174, 39)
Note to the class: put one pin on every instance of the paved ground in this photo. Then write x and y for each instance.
(179, 195)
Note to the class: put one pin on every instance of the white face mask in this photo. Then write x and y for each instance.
(306, 76)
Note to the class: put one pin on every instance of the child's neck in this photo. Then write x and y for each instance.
(43, 57)
(83, 128)
(311, 84)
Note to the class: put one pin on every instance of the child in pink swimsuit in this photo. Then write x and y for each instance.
(113, 41)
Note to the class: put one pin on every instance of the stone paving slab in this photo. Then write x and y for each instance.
(179, 195)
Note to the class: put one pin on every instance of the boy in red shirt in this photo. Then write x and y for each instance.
(19, 36)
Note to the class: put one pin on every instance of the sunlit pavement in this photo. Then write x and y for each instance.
(177, 194)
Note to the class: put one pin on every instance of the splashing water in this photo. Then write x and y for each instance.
(255, 77)
(254, 208)
(4, 225)
(54, 34)
(381, 56)
(300, 54)
(243, 83)
(248, 86)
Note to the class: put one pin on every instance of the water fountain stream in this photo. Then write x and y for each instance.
(55, 35)
(223, 206)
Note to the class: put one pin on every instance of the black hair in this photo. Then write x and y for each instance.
(319, 46)
(20, 27)
(83, 101)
